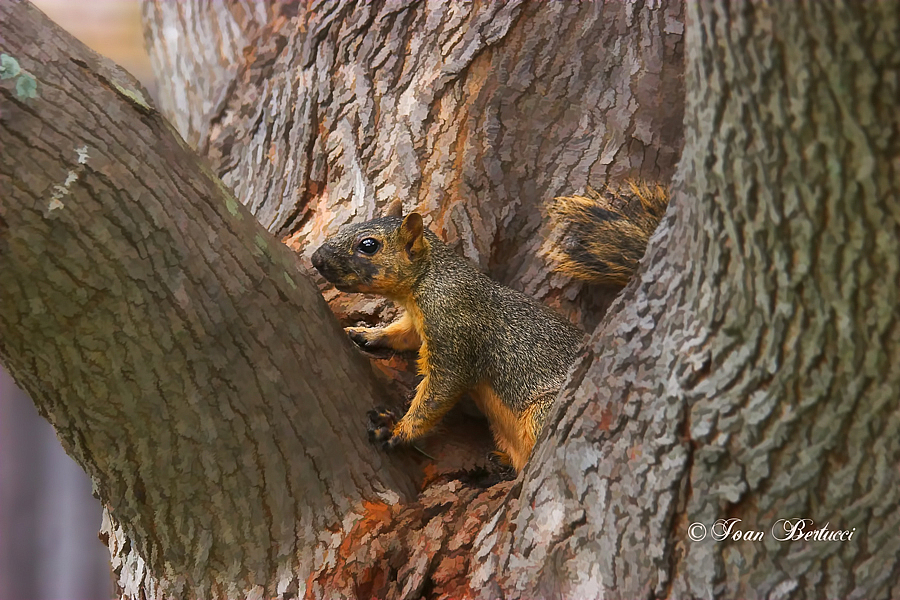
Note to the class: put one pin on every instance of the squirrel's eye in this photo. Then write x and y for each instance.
(368, 246)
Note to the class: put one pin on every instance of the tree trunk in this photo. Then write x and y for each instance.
(475, 115)
(750, 372)
(199, 45)
(747, 372)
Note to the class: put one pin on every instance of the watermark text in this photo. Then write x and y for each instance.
(783, 530)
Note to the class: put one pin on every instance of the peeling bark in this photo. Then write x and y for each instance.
(475, 115)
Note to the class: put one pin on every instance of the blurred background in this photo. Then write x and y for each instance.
(49, 520)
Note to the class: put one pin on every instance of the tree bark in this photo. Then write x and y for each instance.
(198, 46)
(473, 114)
(750, 372)
(736, 377)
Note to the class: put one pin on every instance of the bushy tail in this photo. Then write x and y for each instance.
(601, 237)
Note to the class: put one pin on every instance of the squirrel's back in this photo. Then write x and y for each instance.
(508, 350)
(516, 342)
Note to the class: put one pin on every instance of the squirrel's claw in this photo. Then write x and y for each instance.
(363, 341)
(381, 427)
(358, 335)
(502, 465)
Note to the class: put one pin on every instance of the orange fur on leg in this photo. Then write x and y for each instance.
(402, 334)
(512, 438)
(427, 408)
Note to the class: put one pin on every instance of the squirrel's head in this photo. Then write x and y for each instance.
(382, 256)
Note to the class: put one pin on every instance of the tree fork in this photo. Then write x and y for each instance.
(739, 376)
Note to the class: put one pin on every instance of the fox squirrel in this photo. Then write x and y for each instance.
(507, 350)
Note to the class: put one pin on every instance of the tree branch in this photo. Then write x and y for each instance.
(184, 359)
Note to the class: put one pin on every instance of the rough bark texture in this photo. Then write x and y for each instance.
(199, 45)
(477, 115)
(748, 372)
(184, 359)
(751, 372)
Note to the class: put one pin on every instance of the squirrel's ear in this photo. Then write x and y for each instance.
(394, 209)
(412, 234)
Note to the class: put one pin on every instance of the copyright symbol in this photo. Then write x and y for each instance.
(697, 531)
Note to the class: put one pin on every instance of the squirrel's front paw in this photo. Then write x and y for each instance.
(370, 341)
(381, 427)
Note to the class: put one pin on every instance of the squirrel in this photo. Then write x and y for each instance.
(473, 335)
